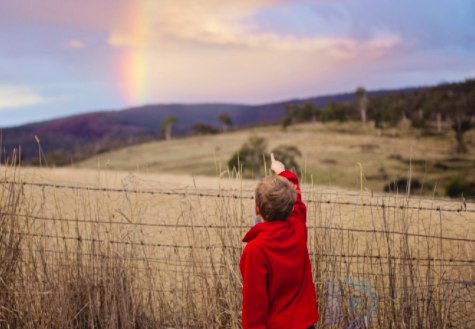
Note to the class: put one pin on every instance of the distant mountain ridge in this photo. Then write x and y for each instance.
(83, 135)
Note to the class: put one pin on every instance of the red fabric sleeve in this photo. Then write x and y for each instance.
(255, 304)
(294, 180)
(299, 213)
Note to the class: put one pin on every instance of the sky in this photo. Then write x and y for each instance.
(62, 57)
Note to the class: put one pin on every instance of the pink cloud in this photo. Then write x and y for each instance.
(76, 44)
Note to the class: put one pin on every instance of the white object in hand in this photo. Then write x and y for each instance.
(276, 166)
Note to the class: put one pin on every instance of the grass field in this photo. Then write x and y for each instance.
(84, 248)
(150, 236)
(330, 153)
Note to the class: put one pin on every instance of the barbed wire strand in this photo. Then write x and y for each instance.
(211, 226)
(79, 239)
(459, 210)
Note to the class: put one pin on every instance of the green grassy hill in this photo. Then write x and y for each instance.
(330, 153)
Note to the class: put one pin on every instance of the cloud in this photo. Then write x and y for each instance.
(240, 50)
(178, 23)
(76, 44)
(18, 96)
(213, 23)
(202, 50)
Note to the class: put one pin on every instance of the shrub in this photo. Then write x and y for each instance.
(205, 129)
(250, 156)
(335, 112)
(441, 166)
(252, 153)
(458, 187)
(286, 121)
(287, 154)
(418, 123)
(103, 150)
(55, 159)
(401, 185)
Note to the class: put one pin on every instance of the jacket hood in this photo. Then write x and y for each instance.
(265, 228)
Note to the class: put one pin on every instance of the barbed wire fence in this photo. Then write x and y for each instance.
(171, 254)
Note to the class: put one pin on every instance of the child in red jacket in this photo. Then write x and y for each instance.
(278, 287)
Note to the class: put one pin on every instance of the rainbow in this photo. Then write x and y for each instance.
(133, 62)
(134, 77)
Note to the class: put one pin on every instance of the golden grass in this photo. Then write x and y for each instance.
(162, 252)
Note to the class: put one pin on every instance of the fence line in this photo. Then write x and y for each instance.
(234, 226)
(181, 262)
(339, 192)
(79, 239)
(131, 243)
(463, 284)
(383, 206)
(144, 259)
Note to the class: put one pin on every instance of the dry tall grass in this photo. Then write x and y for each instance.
(152, 256)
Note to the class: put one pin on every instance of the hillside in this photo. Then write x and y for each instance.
(330, 153)
(81, 136)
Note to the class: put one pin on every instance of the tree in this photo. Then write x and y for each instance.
(287, 154)
(461, 125)
(433, 104)
(226, 121)
(205, 129)
(304, 113)
(362, 101)
(167, 126)
(335, 112)
(292, 111)
(393, 113)
(417, 108)
(462, 104)
(295, 113)
(250, 156)
(376, 110)
(471, 105)
(286, 121)
(328, 114)
(308, 112)
(415, 103)
(343, 111)
(458, 105)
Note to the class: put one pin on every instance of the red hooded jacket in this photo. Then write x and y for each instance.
(278, 287)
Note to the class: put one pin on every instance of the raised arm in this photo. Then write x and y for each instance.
(300, 210)
(299, 214)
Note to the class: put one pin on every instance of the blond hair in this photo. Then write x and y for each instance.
(275, 198)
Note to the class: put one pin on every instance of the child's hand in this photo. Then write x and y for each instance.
(276, 166)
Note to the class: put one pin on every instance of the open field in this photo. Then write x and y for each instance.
(139, 139)
(106, 249)
(116, 178)
(330, 153)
